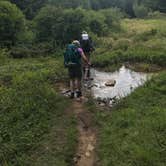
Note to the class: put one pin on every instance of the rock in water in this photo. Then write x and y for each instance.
(110, 83)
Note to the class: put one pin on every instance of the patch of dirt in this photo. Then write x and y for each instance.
(144, 67)
(85, 155)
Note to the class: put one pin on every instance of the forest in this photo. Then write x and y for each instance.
(39, 126)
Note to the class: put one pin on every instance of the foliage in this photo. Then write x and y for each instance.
(96, 22)
(30, 111)
(140, 41)
(39, 49)
(11, 23)
(3, 56)
(140, 11)
(58, 26)
(134, 132)
(30, 7)
(112, 17)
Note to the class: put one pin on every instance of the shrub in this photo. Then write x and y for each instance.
(25, 51)
(96, 23)
(122, 44)
(11, 23)
(59, 26)
(140, 11)
(155, 14)
(112, 17)
(3, 55)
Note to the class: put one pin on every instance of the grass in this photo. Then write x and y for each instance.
(34, 129)
(140, 40)
(133, 132)
(139, 26)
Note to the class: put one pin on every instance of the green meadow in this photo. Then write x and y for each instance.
(133, 131)
(38, 126)
(34, 127)
(140, 40)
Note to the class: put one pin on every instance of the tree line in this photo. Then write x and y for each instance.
(53, 25)
(31, 7)
(28, 27)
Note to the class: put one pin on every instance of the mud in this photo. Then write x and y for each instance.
(85, 155)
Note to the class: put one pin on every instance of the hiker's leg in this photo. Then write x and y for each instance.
(78, 86)
(72, 88)
(78, 81)
(88, 67)
(83, 68)
(86, 73)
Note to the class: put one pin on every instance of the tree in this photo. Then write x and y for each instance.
(140, 11)
(11, 23)
(29, 7)
(96, 22)
(59, 26)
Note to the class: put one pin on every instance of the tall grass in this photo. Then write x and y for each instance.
(29, 108)
(139, 41)
(133, 133)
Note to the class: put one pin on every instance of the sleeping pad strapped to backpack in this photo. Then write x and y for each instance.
(72, 56)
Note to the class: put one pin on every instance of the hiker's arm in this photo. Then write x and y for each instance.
(85, 59)
(92, 48)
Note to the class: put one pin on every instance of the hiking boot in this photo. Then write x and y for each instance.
(78, 94)
(91, 79)
(72, 95)
(85, 79)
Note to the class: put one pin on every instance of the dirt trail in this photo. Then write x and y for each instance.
(85, 155)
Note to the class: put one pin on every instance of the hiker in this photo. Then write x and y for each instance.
(73, 61)
(87, 46)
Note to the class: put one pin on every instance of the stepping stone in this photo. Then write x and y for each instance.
(110, 83)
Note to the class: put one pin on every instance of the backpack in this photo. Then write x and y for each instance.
(86, 43)
(72, 56)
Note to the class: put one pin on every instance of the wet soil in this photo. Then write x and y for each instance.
(85, 155)
(126, 81)
(85, 152)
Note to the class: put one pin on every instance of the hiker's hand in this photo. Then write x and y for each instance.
(89, 63)
(92, 49)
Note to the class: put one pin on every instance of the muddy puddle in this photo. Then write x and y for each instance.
(126, 81)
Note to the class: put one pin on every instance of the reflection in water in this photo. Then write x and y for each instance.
(126, 81)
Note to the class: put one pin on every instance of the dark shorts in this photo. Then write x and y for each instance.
(75, 72)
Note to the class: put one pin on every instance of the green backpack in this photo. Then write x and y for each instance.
(72, 56)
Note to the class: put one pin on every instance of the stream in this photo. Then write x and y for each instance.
(126, 82)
